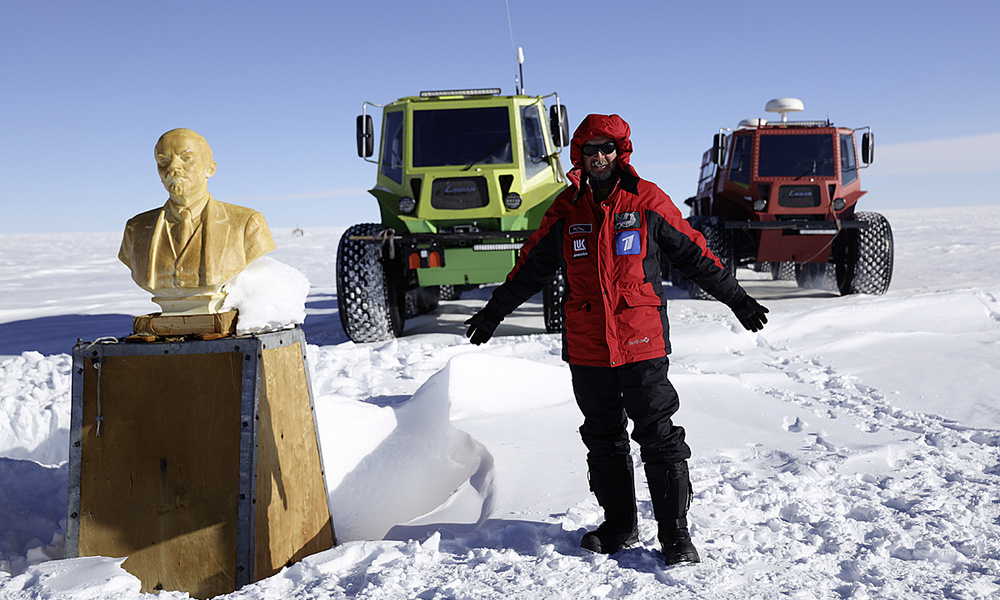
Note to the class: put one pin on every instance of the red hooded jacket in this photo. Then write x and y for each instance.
(615, 310)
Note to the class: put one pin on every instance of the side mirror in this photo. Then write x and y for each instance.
(366, 136)
(868, 148)
(559, 125)
(719, 149)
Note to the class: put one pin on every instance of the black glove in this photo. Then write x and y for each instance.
(751, 314)
(483, 324)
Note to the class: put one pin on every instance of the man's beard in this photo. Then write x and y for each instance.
(600, 175)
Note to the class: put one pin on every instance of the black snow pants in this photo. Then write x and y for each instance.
(609, 396)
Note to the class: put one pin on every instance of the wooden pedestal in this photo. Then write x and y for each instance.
(199, 460)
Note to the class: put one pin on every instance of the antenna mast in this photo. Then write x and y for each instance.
(520, 67)
(519, 79)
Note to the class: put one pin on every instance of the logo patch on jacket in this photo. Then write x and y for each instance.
(579, 228)
(627, 242)
(626, 220)
(580, 248)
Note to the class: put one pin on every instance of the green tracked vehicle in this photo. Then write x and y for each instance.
(464, 177)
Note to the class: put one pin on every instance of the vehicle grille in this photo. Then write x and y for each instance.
(799, 196)
(459, 193)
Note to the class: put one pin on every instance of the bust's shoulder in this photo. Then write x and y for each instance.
(235, 211)
(144, 218)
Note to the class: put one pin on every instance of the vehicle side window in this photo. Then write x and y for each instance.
(740, 163)
(707, 175)
(392, 146)
(848, 160)
(535, 158)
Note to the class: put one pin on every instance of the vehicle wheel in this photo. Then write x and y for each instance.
(720, 243)
(667, 270)
(670, 274)
(865, 257)
(366, 299)
(411, 304)
(677, 280)
(815, 276)
(782, 271)
(553, 298)
(425, 299)
(450, 292)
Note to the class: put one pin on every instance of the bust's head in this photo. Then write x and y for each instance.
(184, 161)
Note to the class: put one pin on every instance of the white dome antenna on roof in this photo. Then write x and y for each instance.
(784, 106)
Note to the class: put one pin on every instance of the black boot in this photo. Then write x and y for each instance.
(676, 546)
(670, 490)
(611, 480)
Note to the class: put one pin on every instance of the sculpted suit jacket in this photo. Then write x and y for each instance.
(228, 239)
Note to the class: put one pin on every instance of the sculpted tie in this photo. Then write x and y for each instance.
(183, 230)
(185, 269)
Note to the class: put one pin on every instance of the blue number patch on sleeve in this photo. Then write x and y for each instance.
(627, 242)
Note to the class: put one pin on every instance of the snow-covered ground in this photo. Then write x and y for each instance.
(849, 450)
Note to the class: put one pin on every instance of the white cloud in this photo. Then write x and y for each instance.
(962, 155)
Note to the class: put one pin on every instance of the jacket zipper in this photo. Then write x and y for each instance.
(611, 327)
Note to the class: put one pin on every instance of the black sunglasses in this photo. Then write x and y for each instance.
(606, 148)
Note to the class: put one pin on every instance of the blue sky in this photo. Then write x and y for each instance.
(86, 88)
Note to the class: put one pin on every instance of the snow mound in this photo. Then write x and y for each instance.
(269, 294)
(89, 578)
(34, 407)
(422, 464)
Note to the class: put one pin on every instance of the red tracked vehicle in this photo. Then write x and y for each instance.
(784, 194)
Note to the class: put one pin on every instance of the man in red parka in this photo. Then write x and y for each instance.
(608, 232)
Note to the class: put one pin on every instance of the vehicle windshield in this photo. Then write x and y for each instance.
(461, 136)
(796, 156)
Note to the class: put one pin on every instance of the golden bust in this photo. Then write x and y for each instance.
(186, 251)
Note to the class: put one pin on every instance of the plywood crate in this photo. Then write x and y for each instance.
(198, 460)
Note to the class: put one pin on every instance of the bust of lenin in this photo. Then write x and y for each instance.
(186, 251)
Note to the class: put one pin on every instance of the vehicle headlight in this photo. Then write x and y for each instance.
(407, 205)
(512, 200)
(760, 204)
(839, 203)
